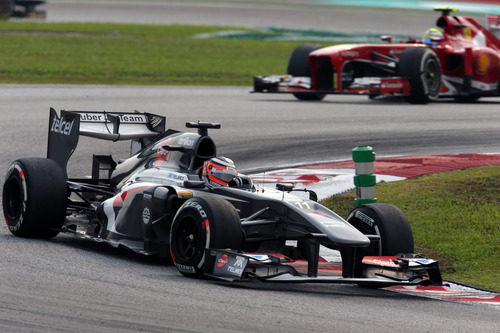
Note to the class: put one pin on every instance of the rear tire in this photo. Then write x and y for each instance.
(202, 223)
(422, 68)
(389, 223)
(34, 198)
(298, 65)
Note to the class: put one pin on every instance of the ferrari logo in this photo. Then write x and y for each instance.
(468, 33)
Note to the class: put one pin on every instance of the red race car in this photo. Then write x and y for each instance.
(459, 59)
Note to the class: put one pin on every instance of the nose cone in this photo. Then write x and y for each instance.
(339, 231)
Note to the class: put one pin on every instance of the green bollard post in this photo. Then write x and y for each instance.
(365, 179)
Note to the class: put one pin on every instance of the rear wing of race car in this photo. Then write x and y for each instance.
(65, 130)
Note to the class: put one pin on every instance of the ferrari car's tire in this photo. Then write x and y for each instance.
(389, 223)
(298, 65)
(422, 68)
(202, 223)
(34, 198)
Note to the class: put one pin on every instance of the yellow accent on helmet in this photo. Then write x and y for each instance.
(433, 36)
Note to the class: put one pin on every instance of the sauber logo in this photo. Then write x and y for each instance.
(61, 126)
(101, 117)
(92, 117)
(132, 118)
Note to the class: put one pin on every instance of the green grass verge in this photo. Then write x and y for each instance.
(455, 218)
(87, 53)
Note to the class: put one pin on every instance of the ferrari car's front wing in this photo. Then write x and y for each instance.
(360, 86)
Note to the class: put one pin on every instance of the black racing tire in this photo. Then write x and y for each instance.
(202, 223)
(298, 65)
(34, 198)
(6, 8)
(389, 223)
(421, 67)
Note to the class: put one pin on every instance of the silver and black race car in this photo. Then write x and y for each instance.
(174, 197)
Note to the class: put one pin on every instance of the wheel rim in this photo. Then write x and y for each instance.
(369, 230)
(14, 198)
(188, 240)
(432, 77)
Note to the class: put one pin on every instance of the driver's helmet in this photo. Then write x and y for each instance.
(433, 36)
(219, 171)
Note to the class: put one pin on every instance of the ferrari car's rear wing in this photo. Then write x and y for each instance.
(65, 130)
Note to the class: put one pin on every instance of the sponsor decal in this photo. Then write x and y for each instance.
(385, 261)
(146, 215)
(61, 126)
(327, 221)
(176, 176)
(483, 63)
(92, 117)
(240, 262)
(392, 85)
(229, 265)
(222, 261)
(187, 142)
(198, 207)
(396, 51)
(237, 267)
(184, 194)
(302, 205)
(155, 121)
(425, 261)
(185, 268)
(161, 156)
(125, 118)
(259, 257)
(468, 33)
(364, 218)
(350, 54)
(101, 118)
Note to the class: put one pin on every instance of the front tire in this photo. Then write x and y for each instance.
(298, 65)
(202, 223)
(389, 223)
(421, 67)
(34, 198)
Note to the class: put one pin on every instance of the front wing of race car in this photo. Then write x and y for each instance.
(361, 86)
(377, 271)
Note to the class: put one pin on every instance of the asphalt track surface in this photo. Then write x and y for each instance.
(74, 286)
